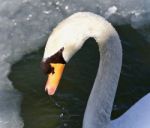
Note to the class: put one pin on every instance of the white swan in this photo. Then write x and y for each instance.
(66, 39)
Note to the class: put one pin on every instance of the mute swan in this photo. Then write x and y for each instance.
(66, 39)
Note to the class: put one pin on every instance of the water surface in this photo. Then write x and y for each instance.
(65, 109)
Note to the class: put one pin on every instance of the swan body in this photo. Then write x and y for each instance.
(66, 39)
(138, 116)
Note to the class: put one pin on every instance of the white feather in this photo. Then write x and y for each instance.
(71, 34)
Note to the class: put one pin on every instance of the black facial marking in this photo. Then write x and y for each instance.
(56, 58)
(47, 68)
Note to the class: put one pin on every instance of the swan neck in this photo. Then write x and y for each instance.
(99, 106)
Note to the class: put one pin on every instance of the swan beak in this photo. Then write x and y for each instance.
(54, 78)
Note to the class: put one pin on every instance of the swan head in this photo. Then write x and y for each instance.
(59, 49)
(66, 39)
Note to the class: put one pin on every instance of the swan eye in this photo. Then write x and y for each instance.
(57, 57)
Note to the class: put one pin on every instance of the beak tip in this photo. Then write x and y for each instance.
(50, 91)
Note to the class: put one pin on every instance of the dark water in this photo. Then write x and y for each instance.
(66, 108)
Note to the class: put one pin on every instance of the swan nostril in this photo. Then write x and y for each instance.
(52, 69)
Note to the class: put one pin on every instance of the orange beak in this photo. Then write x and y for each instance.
(54, 78)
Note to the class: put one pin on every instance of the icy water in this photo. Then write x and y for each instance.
(66, 108)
